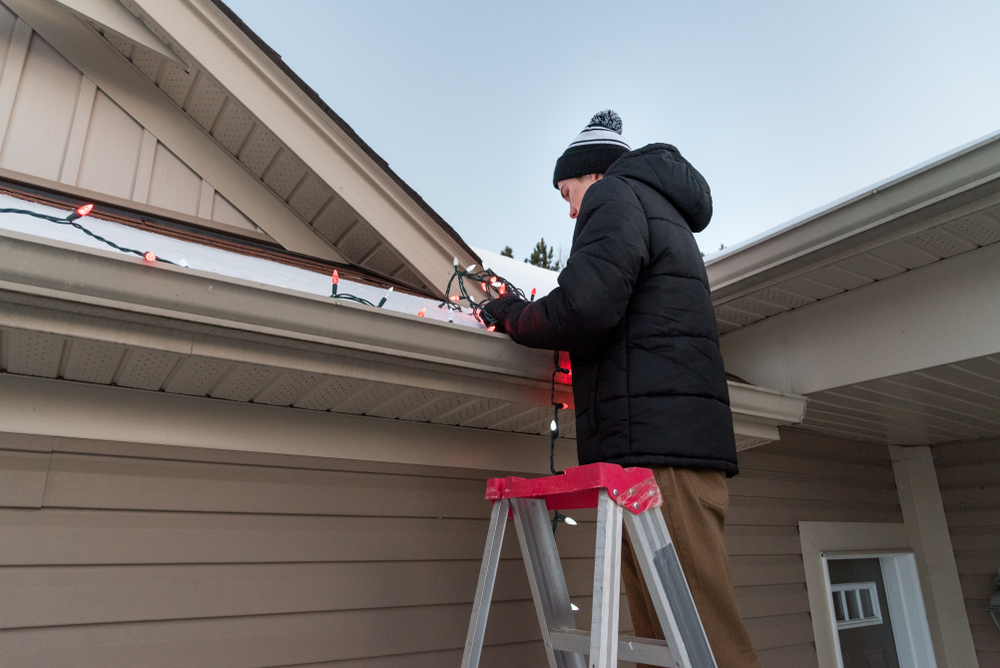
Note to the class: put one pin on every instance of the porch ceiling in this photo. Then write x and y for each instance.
(951, 402)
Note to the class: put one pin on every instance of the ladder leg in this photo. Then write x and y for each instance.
(484, 590)
(669, 590)
(545, 575)
(607, 584)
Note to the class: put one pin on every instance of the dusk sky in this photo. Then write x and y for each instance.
(783, 106)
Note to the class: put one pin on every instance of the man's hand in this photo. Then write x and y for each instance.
(500, 309)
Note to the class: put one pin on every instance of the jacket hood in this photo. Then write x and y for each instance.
(661, 167)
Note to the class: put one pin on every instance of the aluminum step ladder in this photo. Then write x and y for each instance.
(617, 493)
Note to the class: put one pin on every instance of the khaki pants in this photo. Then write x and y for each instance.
(694, 508)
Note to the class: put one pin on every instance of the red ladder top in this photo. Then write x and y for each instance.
(634, 489)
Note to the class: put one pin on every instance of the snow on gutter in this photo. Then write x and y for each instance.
(216, 261)
(761, 257)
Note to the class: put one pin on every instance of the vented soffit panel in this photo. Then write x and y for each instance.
(112, 16)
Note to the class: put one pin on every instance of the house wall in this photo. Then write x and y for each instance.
(120, 554)
(127, 554)
(802, 477)
(969, 479)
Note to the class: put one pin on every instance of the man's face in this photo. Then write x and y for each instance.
(573, 190)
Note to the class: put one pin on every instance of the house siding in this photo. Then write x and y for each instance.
(121, 554)
(969, 479)
(802, 477)
(116, 554)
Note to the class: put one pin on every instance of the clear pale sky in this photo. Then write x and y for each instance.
(784, 106)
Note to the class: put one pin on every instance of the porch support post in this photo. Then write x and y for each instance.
(927, 533)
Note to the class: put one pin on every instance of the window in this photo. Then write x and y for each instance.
(856, 604)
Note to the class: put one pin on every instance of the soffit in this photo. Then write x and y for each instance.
(951, 402)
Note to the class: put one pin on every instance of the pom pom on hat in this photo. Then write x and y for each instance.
(607, 119)
(594, 150)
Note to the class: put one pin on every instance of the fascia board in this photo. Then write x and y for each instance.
(765, 406)
(839, 227)
(380, 345)
(140, 98)
(211, 39)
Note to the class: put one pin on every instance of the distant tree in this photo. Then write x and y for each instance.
(542, 256)
(507, 252)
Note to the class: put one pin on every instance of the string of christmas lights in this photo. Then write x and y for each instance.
(335, 280)
(554, 433)
(82, 212)
(492, 285)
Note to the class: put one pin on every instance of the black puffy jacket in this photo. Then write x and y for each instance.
(634, 310)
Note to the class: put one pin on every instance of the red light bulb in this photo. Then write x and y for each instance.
(454, 298)
(80, 212)
(502, 289)
(491, 328)
(564, 405)
(421, 313)
(483, 286)
(149, 256)
(336, 277)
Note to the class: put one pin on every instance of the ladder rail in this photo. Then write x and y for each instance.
(545, 575)
(607, 584)
(484, 590)
(672, 600)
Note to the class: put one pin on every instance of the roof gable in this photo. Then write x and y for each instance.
(240, 119)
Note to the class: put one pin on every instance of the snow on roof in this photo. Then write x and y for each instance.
(521, 274)
(213, 260)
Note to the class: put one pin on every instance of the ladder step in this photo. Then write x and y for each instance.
(639, 650)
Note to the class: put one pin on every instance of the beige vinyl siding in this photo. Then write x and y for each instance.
(124, 555)
(803, 477)
(62, 129)
(118, 554)
(969, 479)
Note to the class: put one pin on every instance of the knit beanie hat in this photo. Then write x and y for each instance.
(594, 149)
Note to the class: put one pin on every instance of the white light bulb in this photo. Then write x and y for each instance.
(455, 262)
(570, 521)
(573, 607)
(554, 426)
(470, 268)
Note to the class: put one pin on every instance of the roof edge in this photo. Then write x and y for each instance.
(862, 211)
(381, 163)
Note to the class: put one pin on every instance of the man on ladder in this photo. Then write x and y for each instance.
(634, 310)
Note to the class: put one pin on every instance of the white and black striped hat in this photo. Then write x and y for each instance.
(594, 149)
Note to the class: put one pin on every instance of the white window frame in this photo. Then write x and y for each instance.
(823, 541)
